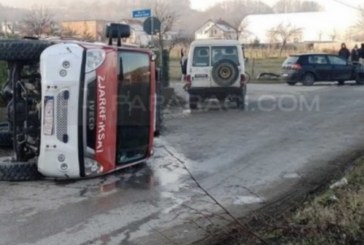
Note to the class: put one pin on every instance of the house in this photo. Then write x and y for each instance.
(216, 29)
(85, 29)
(314, 27)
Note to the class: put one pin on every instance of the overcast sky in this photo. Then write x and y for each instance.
(196, 4)
(328, 4)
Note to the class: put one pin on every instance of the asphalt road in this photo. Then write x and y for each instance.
(244, 159)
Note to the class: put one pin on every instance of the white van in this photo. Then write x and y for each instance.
(215, 68)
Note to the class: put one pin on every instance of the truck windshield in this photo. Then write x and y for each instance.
(133, 120)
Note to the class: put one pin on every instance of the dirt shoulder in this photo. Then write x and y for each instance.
(329, 210)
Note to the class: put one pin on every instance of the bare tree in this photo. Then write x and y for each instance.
(333, 34)
(292, 6)
(39, 22)
(167, 15)
(285, 33)
(180, 38)
(234, 12)
(359, 26)
(86, 35)
(69, 33)
(7, 29)
(243, 30)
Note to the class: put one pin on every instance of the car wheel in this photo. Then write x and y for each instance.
(292, 83)
(193, 101)
(18, 171)
(308, 79)
(5, 135)
(341, 82)
(359, 80)
(22, 50)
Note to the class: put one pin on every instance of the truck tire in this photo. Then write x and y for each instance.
(18, 171)
(22, 49)
(240, 100)
(225, 73)
(5, 135)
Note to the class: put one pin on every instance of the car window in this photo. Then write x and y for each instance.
(224, 52)
(201, 57)
(334, 60)
(290, 61)
(317, 59)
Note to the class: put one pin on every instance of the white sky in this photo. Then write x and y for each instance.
(204, 4)
(329, 5)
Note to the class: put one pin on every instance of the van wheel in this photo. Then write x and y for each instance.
(240, 100)
(18, 171)
(5, 135)
(22, 50)
(193, 100)
(359, 80)
(308, 79)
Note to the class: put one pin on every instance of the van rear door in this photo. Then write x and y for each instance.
(201, 67)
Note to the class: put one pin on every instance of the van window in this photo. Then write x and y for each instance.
(224, 53)
(201, 57)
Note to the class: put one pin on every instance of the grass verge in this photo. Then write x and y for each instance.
(334, 216)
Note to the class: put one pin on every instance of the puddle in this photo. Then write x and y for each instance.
(241, 200)
(291, 176)
(137, 177)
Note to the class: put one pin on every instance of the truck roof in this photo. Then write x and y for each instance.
(215, 42)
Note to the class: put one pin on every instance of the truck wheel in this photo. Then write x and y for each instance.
(5, 135)
(308, 79)
(240, 100)
(291, 83)
(18, 171)
(341, 83)
(22, 49)
(193, 101)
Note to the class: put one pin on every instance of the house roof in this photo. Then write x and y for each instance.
(313, 24)
(223, 25)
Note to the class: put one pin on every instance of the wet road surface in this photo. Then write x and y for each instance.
(243, 159)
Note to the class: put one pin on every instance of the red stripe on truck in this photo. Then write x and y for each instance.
(106, 112)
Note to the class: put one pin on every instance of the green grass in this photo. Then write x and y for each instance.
(256, 66)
